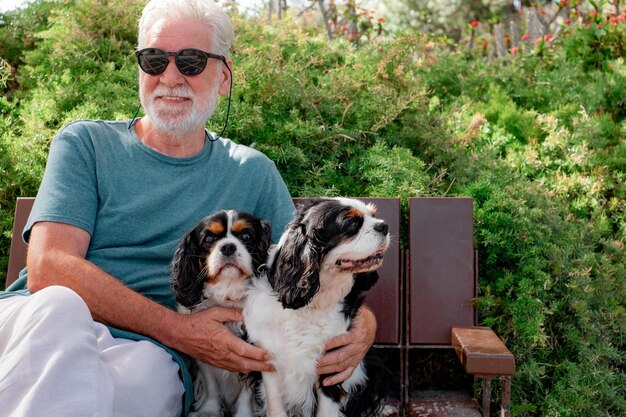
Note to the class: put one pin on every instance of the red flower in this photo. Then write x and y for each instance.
(514, 50)
(543, 39)
(382, 20)
(568, 21)
(474, 23)
(526, 37)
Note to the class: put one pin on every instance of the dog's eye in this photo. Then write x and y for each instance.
(245, 237)
(353, 225)
(209, 238)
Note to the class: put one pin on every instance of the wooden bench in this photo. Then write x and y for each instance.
(422, 301)
(442, 281)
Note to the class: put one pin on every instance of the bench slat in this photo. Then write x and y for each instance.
(17, 254)
(441, 268)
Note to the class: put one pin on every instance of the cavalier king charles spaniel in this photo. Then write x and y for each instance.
(212, 266)
(314, 284)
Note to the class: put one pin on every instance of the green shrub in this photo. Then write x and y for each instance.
(312, 105)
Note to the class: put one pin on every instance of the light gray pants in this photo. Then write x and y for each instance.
(55, 361)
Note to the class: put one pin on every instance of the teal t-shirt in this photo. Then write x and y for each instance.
(137, 203)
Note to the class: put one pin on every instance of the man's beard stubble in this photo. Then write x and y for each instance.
(179, 122)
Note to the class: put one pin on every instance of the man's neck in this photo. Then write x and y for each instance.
(177, 146)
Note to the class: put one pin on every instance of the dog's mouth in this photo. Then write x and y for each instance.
(232, 269)
(361, 264)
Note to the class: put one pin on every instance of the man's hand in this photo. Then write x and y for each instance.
(344, 352)
(207, 339)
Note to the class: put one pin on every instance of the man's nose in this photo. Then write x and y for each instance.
(172, 76)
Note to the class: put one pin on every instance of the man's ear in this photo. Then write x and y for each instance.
(224, 89)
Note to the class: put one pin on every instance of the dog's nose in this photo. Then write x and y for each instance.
(382, 228)
(228, 249)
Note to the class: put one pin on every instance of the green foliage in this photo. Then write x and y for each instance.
(94, 75)
(312, 105)
(17, 29)
(5, 73)
(553, 283)
(601, 41)
(538, 139)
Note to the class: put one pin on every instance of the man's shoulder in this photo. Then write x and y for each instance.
(86, 130)
(89, 125)
(243, 153)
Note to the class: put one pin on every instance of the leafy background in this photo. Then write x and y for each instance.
(536, 137)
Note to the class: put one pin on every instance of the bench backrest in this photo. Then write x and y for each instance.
(442, 272)
(17, 255)
(442, 277)
(384, 298)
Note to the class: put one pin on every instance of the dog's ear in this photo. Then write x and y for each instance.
(187, 275)
(261, 249)
(294, 274)
(267, 234)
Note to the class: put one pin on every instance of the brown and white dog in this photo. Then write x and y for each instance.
(314, 285)
(212, 266)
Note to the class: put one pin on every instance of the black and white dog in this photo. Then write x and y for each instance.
(212, 266)
(314, 285)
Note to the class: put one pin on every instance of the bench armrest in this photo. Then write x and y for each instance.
(482, 352)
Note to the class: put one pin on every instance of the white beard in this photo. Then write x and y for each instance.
(179, 122)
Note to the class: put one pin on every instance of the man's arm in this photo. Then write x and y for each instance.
(56, 256)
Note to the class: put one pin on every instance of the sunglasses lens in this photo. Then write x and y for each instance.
(191, 61)
(152, 61)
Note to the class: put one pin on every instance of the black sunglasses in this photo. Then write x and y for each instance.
(189, 61)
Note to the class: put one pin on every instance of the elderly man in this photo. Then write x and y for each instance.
(91, 328)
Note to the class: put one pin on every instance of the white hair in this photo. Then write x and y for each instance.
(207, 12)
